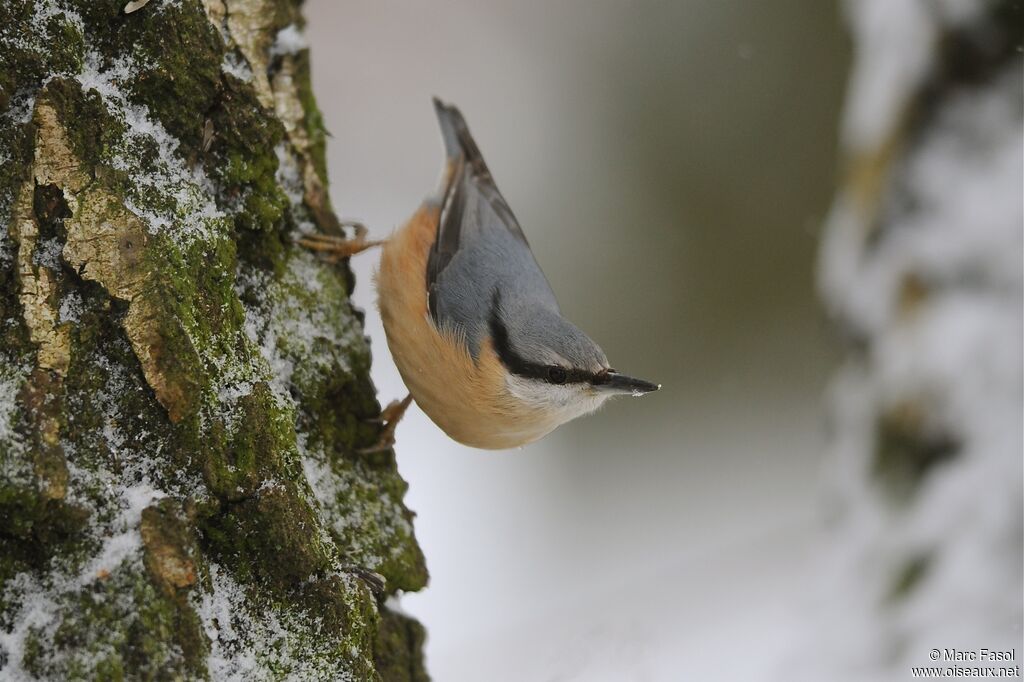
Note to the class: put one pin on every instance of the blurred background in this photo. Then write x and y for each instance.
(673, 165)
(671, 168)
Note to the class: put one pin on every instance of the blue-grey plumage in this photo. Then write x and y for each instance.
(480, 247)
(481, 266)
(471, 320)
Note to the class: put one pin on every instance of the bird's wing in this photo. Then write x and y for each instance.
(468, 181)
(480, 247)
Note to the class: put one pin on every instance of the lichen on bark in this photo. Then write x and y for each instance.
(183, 391)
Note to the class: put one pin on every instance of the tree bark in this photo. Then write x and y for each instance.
(921, 269)
(183, 390)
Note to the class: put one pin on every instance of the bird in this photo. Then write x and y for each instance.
(471, 321)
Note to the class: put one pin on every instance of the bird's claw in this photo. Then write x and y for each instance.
(395, 410)
(375, 581)
(389, 417)
(335, 247)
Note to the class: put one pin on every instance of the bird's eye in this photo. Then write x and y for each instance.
(556, 375)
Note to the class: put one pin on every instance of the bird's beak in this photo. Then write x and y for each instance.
(613, 382)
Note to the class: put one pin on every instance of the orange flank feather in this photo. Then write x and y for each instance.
(467, 398)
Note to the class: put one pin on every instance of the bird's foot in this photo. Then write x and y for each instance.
(389, 417)
(335, 248)
(375, 581)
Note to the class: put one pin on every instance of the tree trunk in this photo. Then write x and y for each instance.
(183, 390)
(921, 267)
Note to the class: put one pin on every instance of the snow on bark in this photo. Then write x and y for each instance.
(183, 390)
(921, 268)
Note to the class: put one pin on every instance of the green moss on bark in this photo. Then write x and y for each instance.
(400, 642)
(183, 496)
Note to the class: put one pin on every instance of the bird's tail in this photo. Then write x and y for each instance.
(457, 139)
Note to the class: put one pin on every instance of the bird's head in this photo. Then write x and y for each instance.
(552, 366)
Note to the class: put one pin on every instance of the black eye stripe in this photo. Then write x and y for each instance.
(520, 366)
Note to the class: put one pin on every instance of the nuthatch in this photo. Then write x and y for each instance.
(471, 320)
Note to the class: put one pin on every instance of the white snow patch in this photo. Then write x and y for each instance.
(289, 40)
(252, 643)
(318, 473)
(44, 10)
(39, 39)
(196, 213)
(236, 67)
(289, 179)
(71, 307)
(38, 613)
(231, 393)
(230, 656)
(287, 175)
(115, 498)
(12, 379)
(39, 603)
(290, 331)
(47, 253)
(124, 540)
(329, 485)
(967, 173)
(20, 108)
(893, 47)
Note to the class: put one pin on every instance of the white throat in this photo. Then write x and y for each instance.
(560, 402)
